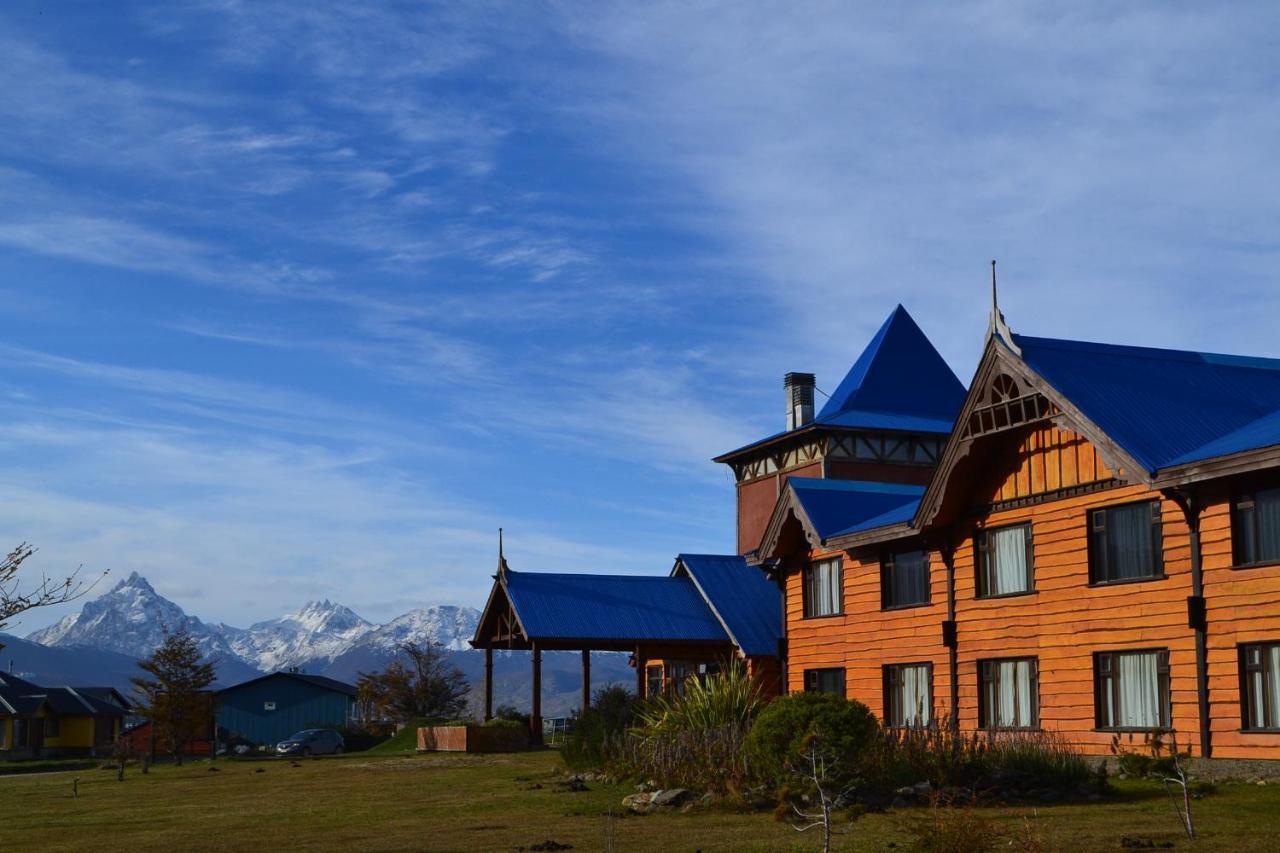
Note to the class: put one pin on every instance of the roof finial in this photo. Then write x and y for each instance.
(995, 303)
(502, 560)
(997, 327)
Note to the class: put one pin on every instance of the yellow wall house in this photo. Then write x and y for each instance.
(41, 722)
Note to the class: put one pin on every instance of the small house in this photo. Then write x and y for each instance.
(268, 709)
(48, 722)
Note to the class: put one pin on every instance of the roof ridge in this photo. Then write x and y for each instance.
(1138, 351)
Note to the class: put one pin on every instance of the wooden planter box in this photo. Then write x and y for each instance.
(472, 739)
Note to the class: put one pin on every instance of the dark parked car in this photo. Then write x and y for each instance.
(311, 742)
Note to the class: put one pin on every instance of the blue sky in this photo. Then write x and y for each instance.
(305, 302)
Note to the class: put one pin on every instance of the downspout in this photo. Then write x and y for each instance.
(1188, 500)
(774, 568)
(949, 635)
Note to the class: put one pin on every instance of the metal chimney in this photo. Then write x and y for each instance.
(799, 387)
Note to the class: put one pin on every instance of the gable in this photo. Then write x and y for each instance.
(1016, 436)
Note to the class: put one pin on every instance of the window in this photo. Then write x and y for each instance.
(1009, 695)
(908, 694)
(51, 727)
(1125, 543)
(824, 681)
(1256, 527)
(904, 579)
(1260, 686)
(653, 680)
(1133, 689)
(822, 588)
(1004, 561)
(678, 672)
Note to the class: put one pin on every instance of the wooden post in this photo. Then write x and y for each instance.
(535, 711)
(641, 665)
(586, 680)
(488, 684)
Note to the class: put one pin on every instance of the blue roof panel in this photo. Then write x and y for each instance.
(611, 607)
(748, 602)
(901, 374)
(1164, 407)
(836, 507)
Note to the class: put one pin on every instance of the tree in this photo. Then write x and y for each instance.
(175, 700)
(426, 685)
(46, 593)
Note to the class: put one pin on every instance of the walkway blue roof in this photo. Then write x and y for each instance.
(1164, 407)
(746, 602)
(839, 507)
(611, 607)
(899, 382)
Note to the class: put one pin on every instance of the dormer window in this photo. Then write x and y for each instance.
(823, 593)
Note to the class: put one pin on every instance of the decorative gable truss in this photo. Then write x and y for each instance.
(1007, 395)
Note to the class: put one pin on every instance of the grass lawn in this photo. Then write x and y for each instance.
(505, 802)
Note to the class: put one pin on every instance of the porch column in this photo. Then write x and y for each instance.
(586, 680)
(535, 710)
(488, 684)
(641, 664)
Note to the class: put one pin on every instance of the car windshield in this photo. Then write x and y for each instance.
(308, 734)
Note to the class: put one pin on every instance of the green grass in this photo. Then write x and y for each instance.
(452, 802)
(404, 741)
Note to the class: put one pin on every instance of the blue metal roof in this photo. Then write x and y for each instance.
(837, 507)
(1164, 407)
(611, 607)
(899, 382)
(747, 602)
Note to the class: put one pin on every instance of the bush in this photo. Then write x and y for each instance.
(787, 728)
(499, 723)
(511, 712)
(613, 710)
(695, 740)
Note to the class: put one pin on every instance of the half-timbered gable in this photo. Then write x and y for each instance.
(885, 422)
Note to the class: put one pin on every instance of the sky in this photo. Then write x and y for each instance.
(306, 302)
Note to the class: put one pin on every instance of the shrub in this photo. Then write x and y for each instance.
(511, 712)
(595, 731)
(499, 723)
(955, 830)
(695, 740)
(787, 728)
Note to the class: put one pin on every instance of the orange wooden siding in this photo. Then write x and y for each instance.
(1064, 621)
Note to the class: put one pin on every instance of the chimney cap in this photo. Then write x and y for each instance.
(794, 378)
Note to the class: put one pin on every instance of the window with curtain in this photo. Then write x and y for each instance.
(904, 579)
(1009, 695)
(824, 681)
(1125, 543)
(1260, 690)
(1004, 560)
(908, 694)
(823, 594)
(1256, 527)
(1133, 689)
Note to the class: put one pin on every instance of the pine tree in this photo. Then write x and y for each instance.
(175, 700)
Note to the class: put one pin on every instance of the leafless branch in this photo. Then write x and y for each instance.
(45, 593)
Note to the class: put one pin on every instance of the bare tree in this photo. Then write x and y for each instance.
(1180, 779)
(45, 593)
(819, 767)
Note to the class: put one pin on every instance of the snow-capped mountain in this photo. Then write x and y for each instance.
(131, 619)
(321, 629)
